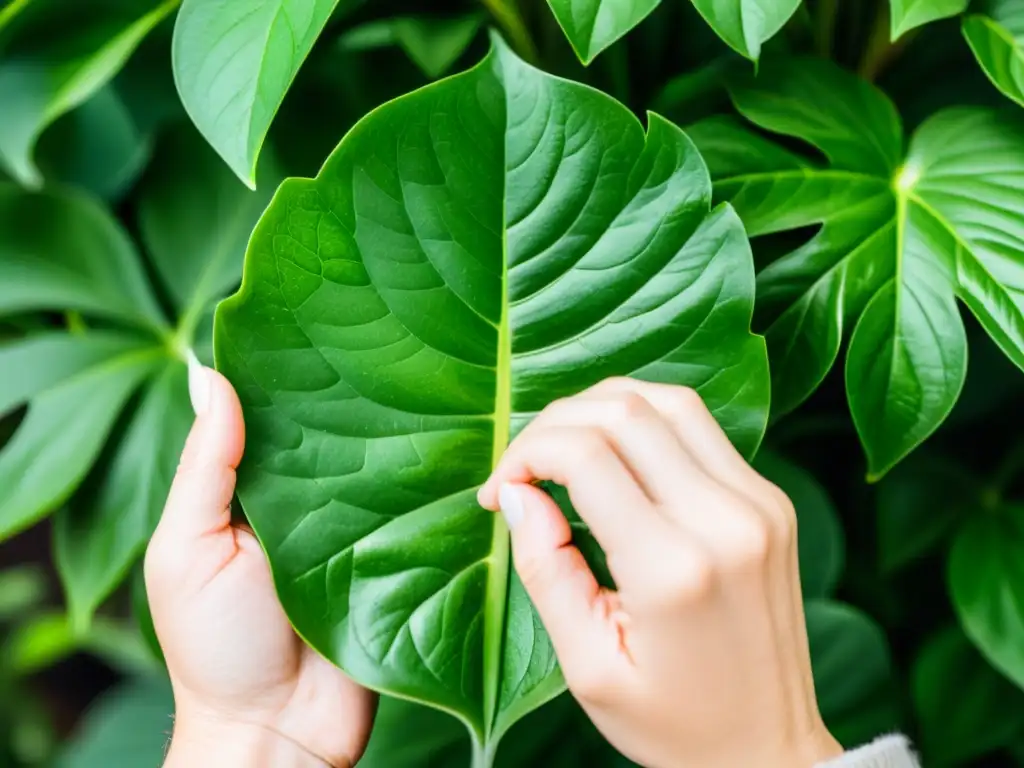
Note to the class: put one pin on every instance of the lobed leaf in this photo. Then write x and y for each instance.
(899, 239)
(469, 253)
(996, 36)
(234, 61)
(47, 70)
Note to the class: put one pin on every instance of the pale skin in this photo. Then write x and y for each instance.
(701, 547)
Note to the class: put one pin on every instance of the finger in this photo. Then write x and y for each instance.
(555, 576)
(601, 488)
(200, 499)
(695, 426)
(642, 438)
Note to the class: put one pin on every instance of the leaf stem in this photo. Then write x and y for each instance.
(507, 14)
(825, 27)
(880, 52)
(483, 756)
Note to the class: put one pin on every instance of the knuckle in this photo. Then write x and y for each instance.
(751, 547)
(628, 407)
(590, 444)
(687, 400)
(691, 580)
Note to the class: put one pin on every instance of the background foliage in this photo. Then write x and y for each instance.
(876, 160)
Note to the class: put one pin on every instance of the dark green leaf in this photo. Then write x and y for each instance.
(63, 432)
(233, 64)
(60, 250)
(129, 726)
(103, 530)
(195, 218)
(898, 240)
(986, 581)
(919, 505)
(964, 707)
(907, 14)
(96, 146)
(593, 25)
(997, 38)
(48, 71)
(469, 253)
(819, 534)
(852, 672)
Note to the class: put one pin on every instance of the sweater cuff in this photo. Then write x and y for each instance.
(886, 752)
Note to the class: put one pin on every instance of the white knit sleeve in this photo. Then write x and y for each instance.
(886, 752)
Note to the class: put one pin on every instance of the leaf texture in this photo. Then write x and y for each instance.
(469, 253)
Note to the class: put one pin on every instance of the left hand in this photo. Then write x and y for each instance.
(247, 690)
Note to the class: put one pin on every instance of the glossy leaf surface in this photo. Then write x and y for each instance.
(996, 36)
(898, 239)
(469, 253)
(234, 60)
(746, 24)
(593, 25)
(986, 582)
(907, 14)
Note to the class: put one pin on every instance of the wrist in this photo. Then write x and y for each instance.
(209, 740)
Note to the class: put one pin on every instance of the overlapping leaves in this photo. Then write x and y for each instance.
(996, 35)
(593, 25)
(469, 253)
(48, 69)
(899, 236)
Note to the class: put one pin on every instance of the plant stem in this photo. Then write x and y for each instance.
(825, 28)
(483, 756)
(507, 14)
(880, 52)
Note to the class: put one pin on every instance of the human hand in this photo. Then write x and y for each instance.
(247, 691)
(700, 658)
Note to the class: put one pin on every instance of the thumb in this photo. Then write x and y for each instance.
(555, 575)
(200, 497)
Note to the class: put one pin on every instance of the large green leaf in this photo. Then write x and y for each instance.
(898, 239)
(60, 250)
(964, 707)
(593, 25)
(997, 38)
(919, 505)
(67, 421)
(104, 529)
(469, 253)
(907, 14)
(234, 61)
(56, 63)
(852, 672)
(986, 580)
(820, 533)
(195, 218)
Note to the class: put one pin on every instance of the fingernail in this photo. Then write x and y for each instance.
(198, 384)
(511, 501)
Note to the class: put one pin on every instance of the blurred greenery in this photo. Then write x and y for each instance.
(125, 209)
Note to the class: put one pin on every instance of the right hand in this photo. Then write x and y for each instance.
(700, 658)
